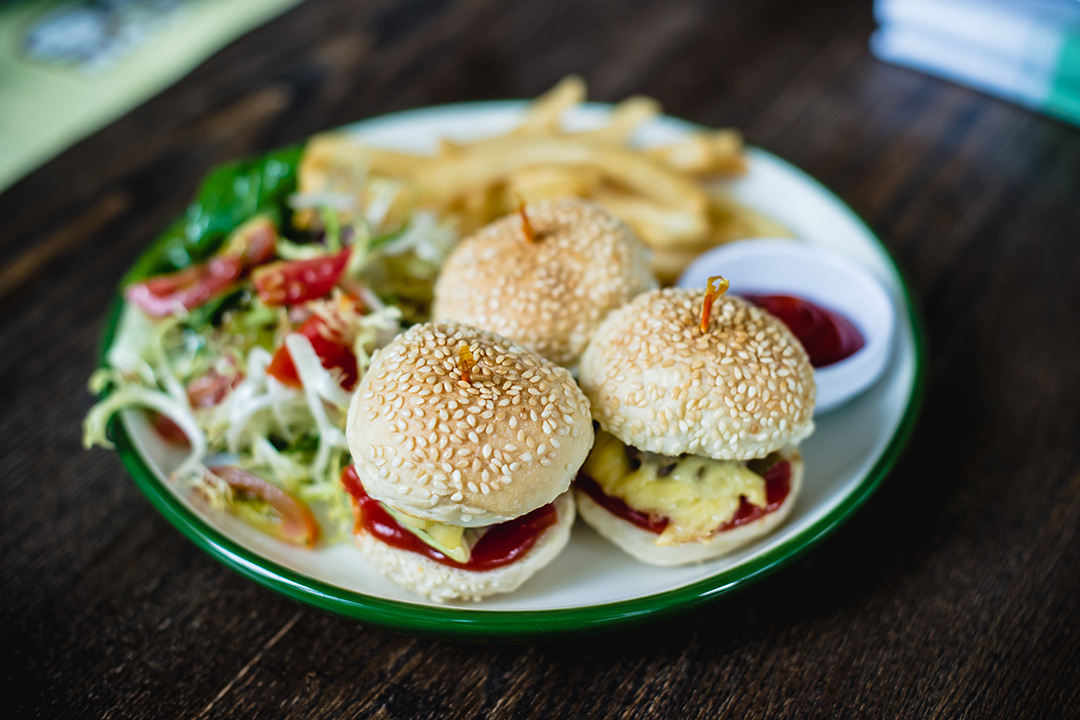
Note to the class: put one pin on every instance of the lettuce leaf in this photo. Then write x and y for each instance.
(230, 195)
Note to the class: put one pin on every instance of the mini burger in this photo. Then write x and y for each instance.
(464, 446)
(701, 401)
(545, 277)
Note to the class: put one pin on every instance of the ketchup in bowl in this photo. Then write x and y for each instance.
(828, 336)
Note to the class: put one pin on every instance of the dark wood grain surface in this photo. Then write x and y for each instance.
(952, 594)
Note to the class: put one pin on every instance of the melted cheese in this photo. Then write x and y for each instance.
(697, 496)
(451, 540)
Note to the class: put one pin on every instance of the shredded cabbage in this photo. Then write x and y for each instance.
(430, 240)
(296, 251)
(340, 201)
(128, 395)
(319, 386)
(239, 414)
(375, 330)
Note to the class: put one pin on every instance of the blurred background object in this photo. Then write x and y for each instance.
(1025, 51)
(69, 67)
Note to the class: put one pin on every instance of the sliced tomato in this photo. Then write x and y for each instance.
(297, 281)
(328, 345)
(168, 430)
(203, 392)
(282, 368)
(187, 289)
(255, 241)
(211, 388)
(295, 523)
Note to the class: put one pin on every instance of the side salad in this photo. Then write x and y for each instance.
(249, 321)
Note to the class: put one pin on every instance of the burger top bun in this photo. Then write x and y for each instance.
(466, 442)
(740, 390)
(551, 292)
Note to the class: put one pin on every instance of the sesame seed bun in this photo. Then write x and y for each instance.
(641, 544)
(550, 295)
(739, 391)
(428, 443)
(426, 577)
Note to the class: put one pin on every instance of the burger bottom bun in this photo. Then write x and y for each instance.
(436, 581)
(641, 544)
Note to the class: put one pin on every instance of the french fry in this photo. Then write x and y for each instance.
(660, 192)
(336, 169)
(479, 206)
(714, 152)
(339, 151)
(627, 117)
(668, 263)
(331, 164)
(542, 182)
(494, 161)
(657, 225)
(731, 220)
(449, 148)
(543, 116)
(395, 164)
(327, 159)
(728, 221)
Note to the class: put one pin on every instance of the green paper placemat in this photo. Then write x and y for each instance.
(69, 67)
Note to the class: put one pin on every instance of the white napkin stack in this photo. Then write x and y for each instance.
(1026, 51)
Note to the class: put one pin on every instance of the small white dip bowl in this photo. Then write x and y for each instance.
(824, 277)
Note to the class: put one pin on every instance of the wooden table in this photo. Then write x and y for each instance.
(953, 593)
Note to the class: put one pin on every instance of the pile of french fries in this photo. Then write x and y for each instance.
(672, 196)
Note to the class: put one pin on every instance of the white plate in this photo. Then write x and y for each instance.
(591, 583)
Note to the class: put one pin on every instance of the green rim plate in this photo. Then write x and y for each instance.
(466, 623)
